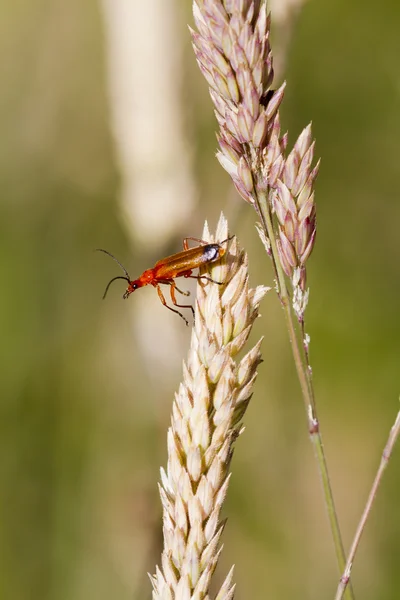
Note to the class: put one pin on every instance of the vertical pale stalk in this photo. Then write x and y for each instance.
(144, 47)
(206, 420)
(143, 44)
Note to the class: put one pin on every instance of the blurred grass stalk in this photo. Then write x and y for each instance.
(144, 48)
(145, 73)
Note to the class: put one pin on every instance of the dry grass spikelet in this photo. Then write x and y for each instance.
(206, 421)
(232, 48)
(233, 51)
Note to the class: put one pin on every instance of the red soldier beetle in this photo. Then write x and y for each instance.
(166, 270)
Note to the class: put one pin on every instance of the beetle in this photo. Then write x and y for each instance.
(166, 270)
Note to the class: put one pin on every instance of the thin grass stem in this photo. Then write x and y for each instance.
(387, 452)
(304, 374)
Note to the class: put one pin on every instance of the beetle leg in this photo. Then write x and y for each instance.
(186, 245)
(173, 298)
(170, 281)
(164, 302)
(206, 278)
(182, 292)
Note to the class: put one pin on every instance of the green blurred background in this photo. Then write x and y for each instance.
(85, 402)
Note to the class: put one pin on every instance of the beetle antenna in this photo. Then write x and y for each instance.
(228, 239)
(117, 261)
(110, 282)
